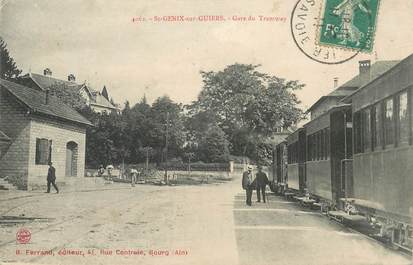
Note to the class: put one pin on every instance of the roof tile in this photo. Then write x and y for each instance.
(36, 101)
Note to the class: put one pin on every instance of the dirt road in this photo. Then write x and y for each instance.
(198, 224)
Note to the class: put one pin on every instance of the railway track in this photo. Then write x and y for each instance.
(370, 237)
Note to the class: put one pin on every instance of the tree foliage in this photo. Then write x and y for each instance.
(69, 95)
(248, 105)
(214, 145)
(8, 68)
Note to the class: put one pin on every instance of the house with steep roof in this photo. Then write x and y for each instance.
(367, 72)
(97, 102)
(37, 128)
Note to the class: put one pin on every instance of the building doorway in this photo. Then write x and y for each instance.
(71, 159)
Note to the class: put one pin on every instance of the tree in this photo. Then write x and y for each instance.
(147, 151)
(69, 95)
(160, 109)
(248, 104)
(214, 146)
(8, 68)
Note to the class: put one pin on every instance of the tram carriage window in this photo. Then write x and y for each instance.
(377, 126)
(327, 134)
(410, 103)
(310, 148)
(357, 133)
(321, 135)
(366, 129)
(322, 145)
(318, 146)
(314, 147)
(403, 119)
(296, 152)
(389, 122)
(289, 154)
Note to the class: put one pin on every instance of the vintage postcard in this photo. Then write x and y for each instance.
(206, 132)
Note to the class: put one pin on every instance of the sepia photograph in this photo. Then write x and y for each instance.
(206, 132)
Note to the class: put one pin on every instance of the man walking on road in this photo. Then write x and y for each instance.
(262, 181)
(134, 175)
(247, 184)
(51, 178)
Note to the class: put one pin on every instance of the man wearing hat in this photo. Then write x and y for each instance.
(262, 181)
(51, 178)
(247, 184)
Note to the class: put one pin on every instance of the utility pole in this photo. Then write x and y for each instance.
(166, 147)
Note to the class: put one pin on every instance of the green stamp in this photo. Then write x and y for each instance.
(350, 24)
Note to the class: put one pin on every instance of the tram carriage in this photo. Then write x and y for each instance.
(280, 163)
(383, 151)
(359, 153)
(296, 150)
(328, 149)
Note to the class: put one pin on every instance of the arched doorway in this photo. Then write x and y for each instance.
(71, 159)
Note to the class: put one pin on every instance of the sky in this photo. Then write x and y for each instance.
(97, 41)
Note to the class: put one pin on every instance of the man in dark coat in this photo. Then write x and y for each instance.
(262, 181)
(247, 183)
(51, 178)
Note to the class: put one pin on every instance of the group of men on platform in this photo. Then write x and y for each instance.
(258, 183)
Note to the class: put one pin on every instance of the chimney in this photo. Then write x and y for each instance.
(71, 78)
(335, 82)
(364, 67)
(47, 96)
(47, 72)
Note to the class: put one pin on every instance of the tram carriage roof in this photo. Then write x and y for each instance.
(322, 119)
(397, 66)
(348, 88)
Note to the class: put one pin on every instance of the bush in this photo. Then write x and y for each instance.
(196, 166)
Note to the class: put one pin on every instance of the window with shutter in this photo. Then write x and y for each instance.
(43, 151)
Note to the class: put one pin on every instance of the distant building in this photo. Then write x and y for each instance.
(97, 102)
(37, 128)
(279, 136)
(367, 72)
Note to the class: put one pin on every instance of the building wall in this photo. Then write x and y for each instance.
(85, 95)
(61, 133)
(324, 106)
(15, 123)
(100, 109)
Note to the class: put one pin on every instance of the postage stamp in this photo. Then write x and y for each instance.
(349, 24)
(306, 23)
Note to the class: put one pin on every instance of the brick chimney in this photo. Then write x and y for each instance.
(71, 78)
(335, 82)
(47, 72)
(364, 67)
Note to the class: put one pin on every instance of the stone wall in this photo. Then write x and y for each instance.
(15, 123)
(61, 133)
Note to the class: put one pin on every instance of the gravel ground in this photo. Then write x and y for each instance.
(124, 225)
(196, 224)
